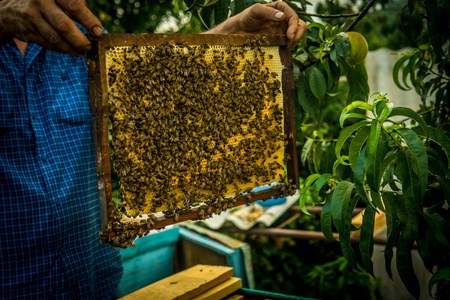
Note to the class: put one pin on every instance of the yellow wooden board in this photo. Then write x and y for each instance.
(221, 290)
(235, 297)
(184, 285)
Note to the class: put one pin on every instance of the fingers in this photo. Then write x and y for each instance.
(54, 40)
(67, 29)
(295, 28)
(45, 22)
(264, 12)
(79, 10)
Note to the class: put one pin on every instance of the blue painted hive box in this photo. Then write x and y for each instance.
(164, 253)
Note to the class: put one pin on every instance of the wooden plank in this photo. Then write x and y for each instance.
(289, 123)
(221, 290)
(152, 39)
(235, 297)
(184, 285)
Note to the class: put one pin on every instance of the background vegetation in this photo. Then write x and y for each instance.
(398, 167)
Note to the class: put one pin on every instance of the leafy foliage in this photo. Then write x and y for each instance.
(373, 155)
(141, 16)
(314, 269)
(391, 175)
(213, 12)
(383, 163)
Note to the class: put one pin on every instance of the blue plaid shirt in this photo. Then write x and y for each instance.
(49, 214)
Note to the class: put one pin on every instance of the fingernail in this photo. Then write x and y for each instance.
(279, 15)
(97, 30)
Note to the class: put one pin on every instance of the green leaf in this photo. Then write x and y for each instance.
(358, 87)
(319, 183)
(343, 47)
(352, 106)
(437, 225)
(373, 157)
(195, 4)
(419, 158)
(317, 153)
(358, 178)
(352, 115)
(239, 5)
(389, 217)
(357, 144)
(441, 139)
(405, 268)
(221, 10)
(406, 20)
(438, 276)
(410, 229)
(330, 74)
(376, 200)
(387, 161)
(398, 206)
(341, 198)
(366, 243)
(344, 135)
(325, 218)
(209, 3)
(307, 100)
(304, 191)
(333, 57)
(397, 67)
(445, 186)
(317, 83)
(306, 150)
(387, 109)
(316, 25)
(426, 246)
(410, 70)
(344, 233)
(409, 179)
(198, 15)
(207, 15)
(388, 249)
(407, 112)
(328, 156)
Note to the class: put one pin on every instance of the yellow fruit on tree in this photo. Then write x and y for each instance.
(359, 47)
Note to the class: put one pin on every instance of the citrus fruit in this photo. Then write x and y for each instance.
(359, 47)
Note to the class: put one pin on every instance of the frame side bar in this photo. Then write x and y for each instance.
(94, 67)
(288, 99)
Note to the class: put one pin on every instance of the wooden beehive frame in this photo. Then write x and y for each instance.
(98, 90)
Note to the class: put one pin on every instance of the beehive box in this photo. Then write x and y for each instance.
(197, 122)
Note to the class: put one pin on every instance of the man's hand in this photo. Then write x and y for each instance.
(44, 22)
(271, 18)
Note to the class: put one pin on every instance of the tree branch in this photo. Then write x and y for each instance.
(361, 15)
(327, 16)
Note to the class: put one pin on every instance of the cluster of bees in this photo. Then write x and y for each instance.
(192, 126)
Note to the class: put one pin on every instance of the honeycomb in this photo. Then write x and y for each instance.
(194, 125)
